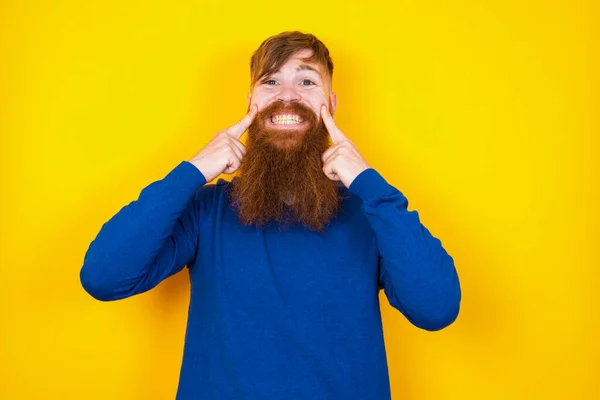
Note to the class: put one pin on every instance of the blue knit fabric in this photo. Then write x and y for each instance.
(278, 313)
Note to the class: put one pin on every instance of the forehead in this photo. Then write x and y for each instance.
(296, 62)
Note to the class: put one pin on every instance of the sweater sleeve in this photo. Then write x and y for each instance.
(417, 274)
(148, 240)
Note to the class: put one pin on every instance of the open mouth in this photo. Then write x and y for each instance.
(286, 119)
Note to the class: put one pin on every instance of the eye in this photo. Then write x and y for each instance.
(270, 80)
(307, 80)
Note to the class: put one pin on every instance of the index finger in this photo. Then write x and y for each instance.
(240, 127)
(335, 133)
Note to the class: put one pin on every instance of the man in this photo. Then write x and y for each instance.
(285, 261)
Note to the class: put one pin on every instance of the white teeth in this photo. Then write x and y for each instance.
(286, 119)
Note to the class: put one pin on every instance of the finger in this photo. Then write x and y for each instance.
(328, 153)
(231, 168)
(345, 147)
(331, 172)
(236, 150)
(334, 131)
(239, 145)
(239, 128)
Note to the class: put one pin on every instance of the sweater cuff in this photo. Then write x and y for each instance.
(369, 185)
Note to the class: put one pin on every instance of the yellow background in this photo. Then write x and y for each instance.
(480, 112)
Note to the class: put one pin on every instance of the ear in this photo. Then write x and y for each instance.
(333, 100)
(249, 100)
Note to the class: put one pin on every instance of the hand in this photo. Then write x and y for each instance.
(342, 161)
(224, 153)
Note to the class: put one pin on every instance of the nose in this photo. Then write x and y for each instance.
(288, 93)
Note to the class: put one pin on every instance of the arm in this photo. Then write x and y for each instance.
(155, 236)
(148, 240)
(418, 276)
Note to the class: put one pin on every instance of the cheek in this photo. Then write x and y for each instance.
(261, 98)
(316, 102)
(317, 97)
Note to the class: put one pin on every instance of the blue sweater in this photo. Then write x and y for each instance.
(278, 313)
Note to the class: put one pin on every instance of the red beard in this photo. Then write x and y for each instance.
(281, 177)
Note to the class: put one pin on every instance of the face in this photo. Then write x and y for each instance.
(285, 97)
(281, 178)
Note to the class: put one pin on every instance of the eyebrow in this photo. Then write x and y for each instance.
(301, 67)
(307, 66)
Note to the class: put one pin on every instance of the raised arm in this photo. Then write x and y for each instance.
(416, 273)
(156, 235)
(148, 240)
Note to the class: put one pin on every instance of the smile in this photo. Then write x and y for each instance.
(286, 119)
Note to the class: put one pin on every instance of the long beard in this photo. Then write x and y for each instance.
(281, 178)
